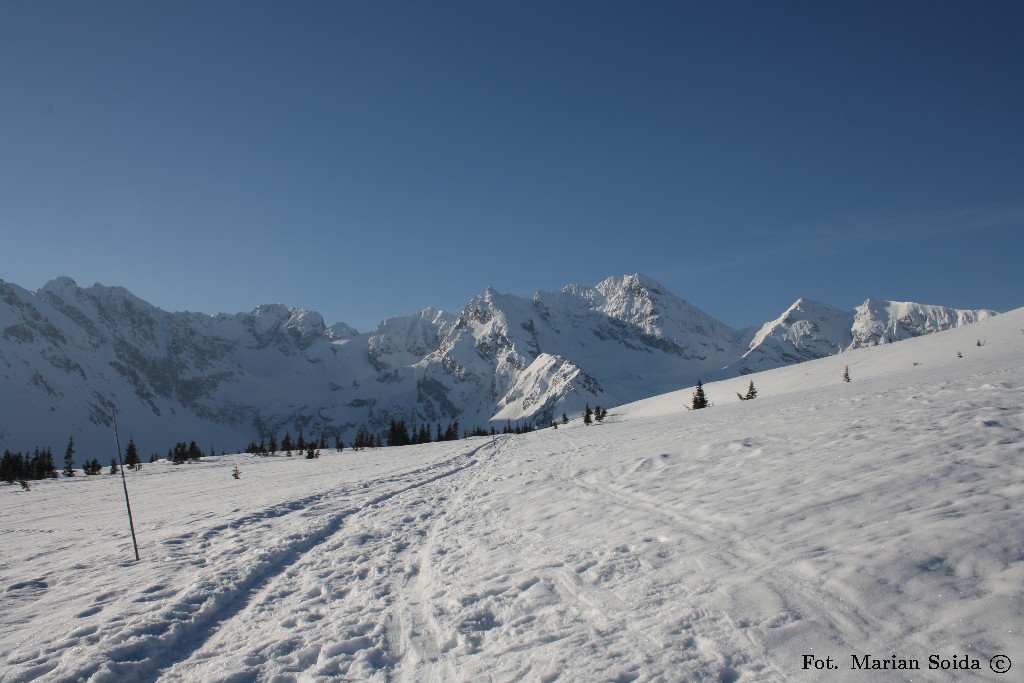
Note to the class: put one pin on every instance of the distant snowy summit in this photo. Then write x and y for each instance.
(810, 329)
(70, 355)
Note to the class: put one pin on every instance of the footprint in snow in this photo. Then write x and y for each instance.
(36, 586)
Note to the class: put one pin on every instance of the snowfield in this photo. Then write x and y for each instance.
(879, 517)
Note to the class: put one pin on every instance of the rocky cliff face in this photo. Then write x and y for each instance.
(70, 355)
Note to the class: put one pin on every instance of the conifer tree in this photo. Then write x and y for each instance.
(700, 400)
(131, 456)
(846, 374)
(11, 467)
(398, 433)
(565, 419)
(113, 466)
(69, 458)
(41, 464)
(273, 443)
(751, 393)
(588, 414)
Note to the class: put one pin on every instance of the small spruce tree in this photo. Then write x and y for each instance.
(565, 419)
(69, 458)
(588, 415)
(131, 456)
(751, 393)
(700, 400)
(846, 374)
(113, 466)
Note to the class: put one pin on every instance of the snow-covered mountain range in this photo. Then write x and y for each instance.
(70, 355)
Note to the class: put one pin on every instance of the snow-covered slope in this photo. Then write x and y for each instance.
(877, 518)
(70, 355)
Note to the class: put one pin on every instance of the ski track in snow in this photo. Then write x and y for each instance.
(144, 647)
(878, 517)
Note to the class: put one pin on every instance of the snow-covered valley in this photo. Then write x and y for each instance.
(877, 517)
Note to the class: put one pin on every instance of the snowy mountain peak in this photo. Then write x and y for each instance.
(306, 323)
(405, 340)
(637, 283)
(341, 331)
(97, 296)
(59, 284)
(807, 310)
(878, 321)
(805, 331)
(269, 317)
(811, 329)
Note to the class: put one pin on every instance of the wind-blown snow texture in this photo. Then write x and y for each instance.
(69, 355)
(878, 517)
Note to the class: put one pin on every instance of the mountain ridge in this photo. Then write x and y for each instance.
(69, 355)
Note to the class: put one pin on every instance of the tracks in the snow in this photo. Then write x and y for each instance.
(156, 644)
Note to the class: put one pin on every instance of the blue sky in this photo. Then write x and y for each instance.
(369, 159)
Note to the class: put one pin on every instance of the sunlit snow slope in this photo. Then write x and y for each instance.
(877, 517)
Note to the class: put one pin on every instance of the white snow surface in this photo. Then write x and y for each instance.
(878, 517)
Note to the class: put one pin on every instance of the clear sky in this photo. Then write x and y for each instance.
(370, 159)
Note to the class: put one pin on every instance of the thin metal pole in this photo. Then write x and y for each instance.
(125, 483)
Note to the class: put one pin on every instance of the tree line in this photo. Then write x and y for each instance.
(39, 463)
(287, 445)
